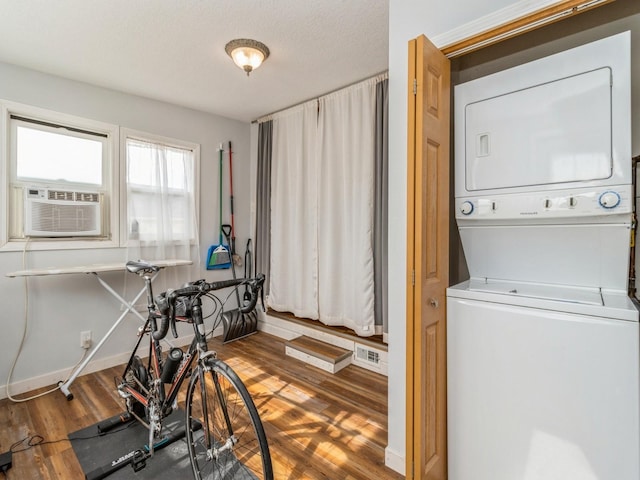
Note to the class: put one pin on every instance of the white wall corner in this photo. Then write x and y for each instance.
(394, 461)
(490, 21)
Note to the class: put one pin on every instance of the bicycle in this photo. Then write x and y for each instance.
(225, 437)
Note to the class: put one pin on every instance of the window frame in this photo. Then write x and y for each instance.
(16, 122)
(110, 188)
(129, 133)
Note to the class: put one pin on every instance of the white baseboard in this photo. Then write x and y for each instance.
(394, 461)
(53, 378)
(273, 326)
(290, 330)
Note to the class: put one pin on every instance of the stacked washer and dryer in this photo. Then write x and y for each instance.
(543, 339)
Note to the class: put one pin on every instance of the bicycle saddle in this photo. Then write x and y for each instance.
(141, 266)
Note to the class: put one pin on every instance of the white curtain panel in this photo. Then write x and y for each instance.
(346, 128)
(161, 211)
(294, 207)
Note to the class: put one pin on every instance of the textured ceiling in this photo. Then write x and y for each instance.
(173, 50)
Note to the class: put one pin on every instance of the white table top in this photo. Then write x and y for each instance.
(94, 268)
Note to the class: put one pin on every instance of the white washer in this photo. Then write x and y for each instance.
(540, 388)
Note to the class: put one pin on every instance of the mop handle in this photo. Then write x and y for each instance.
(220, 189)
(232, 243)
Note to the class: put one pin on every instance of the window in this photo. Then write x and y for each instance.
(60, 169)
(160, 190)
(70, 183)
(52, 154)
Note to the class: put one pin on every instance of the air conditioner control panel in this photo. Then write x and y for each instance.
(585, 202)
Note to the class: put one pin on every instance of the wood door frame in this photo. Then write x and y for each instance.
(556, 12)
(410, 280)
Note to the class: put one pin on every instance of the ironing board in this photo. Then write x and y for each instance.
(95, 270)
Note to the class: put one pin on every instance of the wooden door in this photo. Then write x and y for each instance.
(427, 260)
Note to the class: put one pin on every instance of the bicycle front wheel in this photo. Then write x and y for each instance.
(231, 443)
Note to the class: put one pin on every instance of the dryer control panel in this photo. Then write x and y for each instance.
(558, 204)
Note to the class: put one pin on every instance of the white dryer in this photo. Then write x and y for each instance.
(543, 341)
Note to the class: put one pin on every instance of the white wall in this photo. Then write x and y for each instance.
(62, 306)
(407, 20)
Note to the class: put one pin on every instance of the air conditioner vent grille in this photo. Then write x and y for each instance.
(60, 195)
(87, 197)
(51, 218)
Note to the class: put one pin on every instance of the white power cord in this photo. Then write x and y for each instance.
(24, 336)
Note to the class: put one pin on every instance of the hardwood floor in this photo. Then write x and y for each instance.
(319, 425)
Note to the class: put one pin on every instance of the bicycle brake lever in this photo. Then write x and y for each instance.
(174, 331)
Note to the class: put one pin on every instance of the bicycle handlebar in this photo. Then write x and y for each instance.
(166, 301)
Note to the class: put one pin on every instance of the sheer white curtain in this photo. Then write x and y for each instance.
(294, 222)
(161, 206)
(346, 128)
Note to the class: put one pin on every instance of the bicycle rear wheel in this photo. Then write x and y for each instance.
(231, 443)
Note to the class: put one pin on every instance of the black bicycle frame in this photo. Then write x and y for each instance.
(156, 362)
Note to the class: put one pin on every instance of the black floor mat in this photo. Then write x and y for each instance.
(94, 453)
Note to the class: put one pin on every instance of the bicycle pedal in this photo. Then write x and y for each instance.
(139, 460)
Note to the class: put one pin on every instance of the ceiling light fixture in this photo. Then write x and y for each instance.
(246, 53)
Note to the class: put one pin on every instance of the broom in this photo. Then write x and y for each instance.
(218, 256)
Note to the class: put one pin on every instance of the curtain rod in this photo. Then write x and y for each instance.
(320, 96)
(57, 125)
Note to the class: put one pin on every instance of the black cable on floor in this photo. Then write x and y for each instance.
(36, 440)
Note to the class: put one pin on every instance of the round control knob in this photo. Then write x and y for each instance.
(609, 199)
(466, 208)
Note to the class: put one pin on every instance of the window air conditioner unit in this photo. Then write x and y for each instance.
(61, 213)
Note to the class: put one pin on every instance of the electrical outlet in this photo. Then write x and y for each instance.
(85, 339)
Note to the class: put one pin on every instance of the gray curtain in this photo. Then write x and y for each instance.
(380, 250)
(262, 246)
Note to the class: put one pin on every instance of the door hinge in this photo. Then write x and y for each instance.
(415, 86)
(413, 278)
